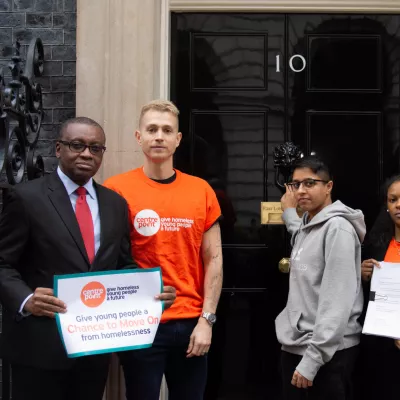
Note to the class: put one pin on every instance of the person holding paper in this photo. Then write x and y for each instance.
(174, 225)
(319, 329)
(380, 358)
(61, 224)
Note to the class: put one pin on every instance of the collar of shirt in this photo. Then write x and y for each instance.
(71, 186)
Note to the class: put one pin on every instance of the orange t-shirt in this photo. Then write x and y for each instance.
(392, 253)
(168, 221)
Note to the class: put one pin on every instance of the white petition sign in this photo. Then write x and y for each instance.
(109, 311)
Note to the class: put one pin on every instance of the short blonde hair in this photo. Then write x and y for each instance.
(159, 105)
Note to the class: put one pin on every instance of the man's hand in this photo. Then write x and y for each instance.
(43, 303)
(288, 200)
(397, 343)
(299, 381)
(200, 339)
(367, 268)
(168, 296)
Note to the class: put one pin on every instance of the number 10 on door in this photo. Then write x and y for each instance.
(303, 61)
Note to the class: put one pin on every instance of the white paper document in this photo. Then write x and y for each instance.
(383, 313)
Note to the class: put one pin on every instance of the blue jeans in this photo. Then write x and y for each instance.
(143, 369)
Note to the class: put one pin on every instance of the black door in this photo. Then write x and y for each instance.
(245, 83)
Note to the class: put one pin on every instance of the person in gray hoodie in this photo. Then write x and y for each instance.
(319, 329)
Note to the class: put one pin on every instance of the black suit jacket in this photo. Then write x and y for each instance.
(40, 238)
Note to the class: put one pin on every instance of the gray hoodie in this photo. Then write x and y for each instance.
(325, 296)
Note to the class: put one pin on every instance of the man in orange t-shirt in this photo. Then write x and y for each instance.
(174, 225)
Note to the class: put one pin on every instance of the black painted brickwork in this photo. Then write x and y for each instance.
(54, 21)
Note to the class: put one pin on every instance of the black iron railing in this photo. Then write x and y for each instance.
(21, 116)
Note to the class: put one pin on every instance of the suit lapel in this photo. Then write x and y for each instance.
(61, 202)
(106, 219)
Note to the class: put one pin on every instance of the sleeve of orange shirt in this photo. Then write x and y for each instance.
(213, 208)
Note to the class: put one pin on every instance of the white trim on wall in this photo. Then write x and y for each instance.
(309, 6)
(165, 49)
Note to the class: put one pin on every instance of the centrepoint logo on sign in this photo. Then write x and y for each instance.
(93, 294)
(147, 222)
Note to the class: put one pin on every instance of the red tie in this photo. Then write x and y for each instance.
(85, 221)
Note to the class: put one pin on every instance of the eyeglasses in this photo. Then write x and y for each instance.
(307, 183)
(78, 147)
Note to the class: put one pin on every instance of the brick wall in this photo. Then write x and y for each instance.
(54, 21)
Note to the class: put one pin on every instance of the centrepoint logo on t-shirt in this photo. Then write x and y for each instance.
(93, 294)
(147, 222)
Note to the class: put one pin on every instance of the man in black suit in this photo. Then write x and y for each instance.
(61, 224)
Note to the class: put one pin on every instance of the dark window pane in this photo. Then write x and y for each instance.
(234, 61)
(344, 62)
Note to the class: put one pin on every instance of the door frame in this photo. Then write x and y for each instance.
(273, 6)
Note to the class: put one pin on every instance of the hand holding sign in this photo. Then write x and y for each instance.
(168, 296)
(43, 303)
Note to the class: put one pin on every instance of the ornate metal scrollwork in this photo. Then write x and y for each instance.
(284, 156)
(21, 115)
